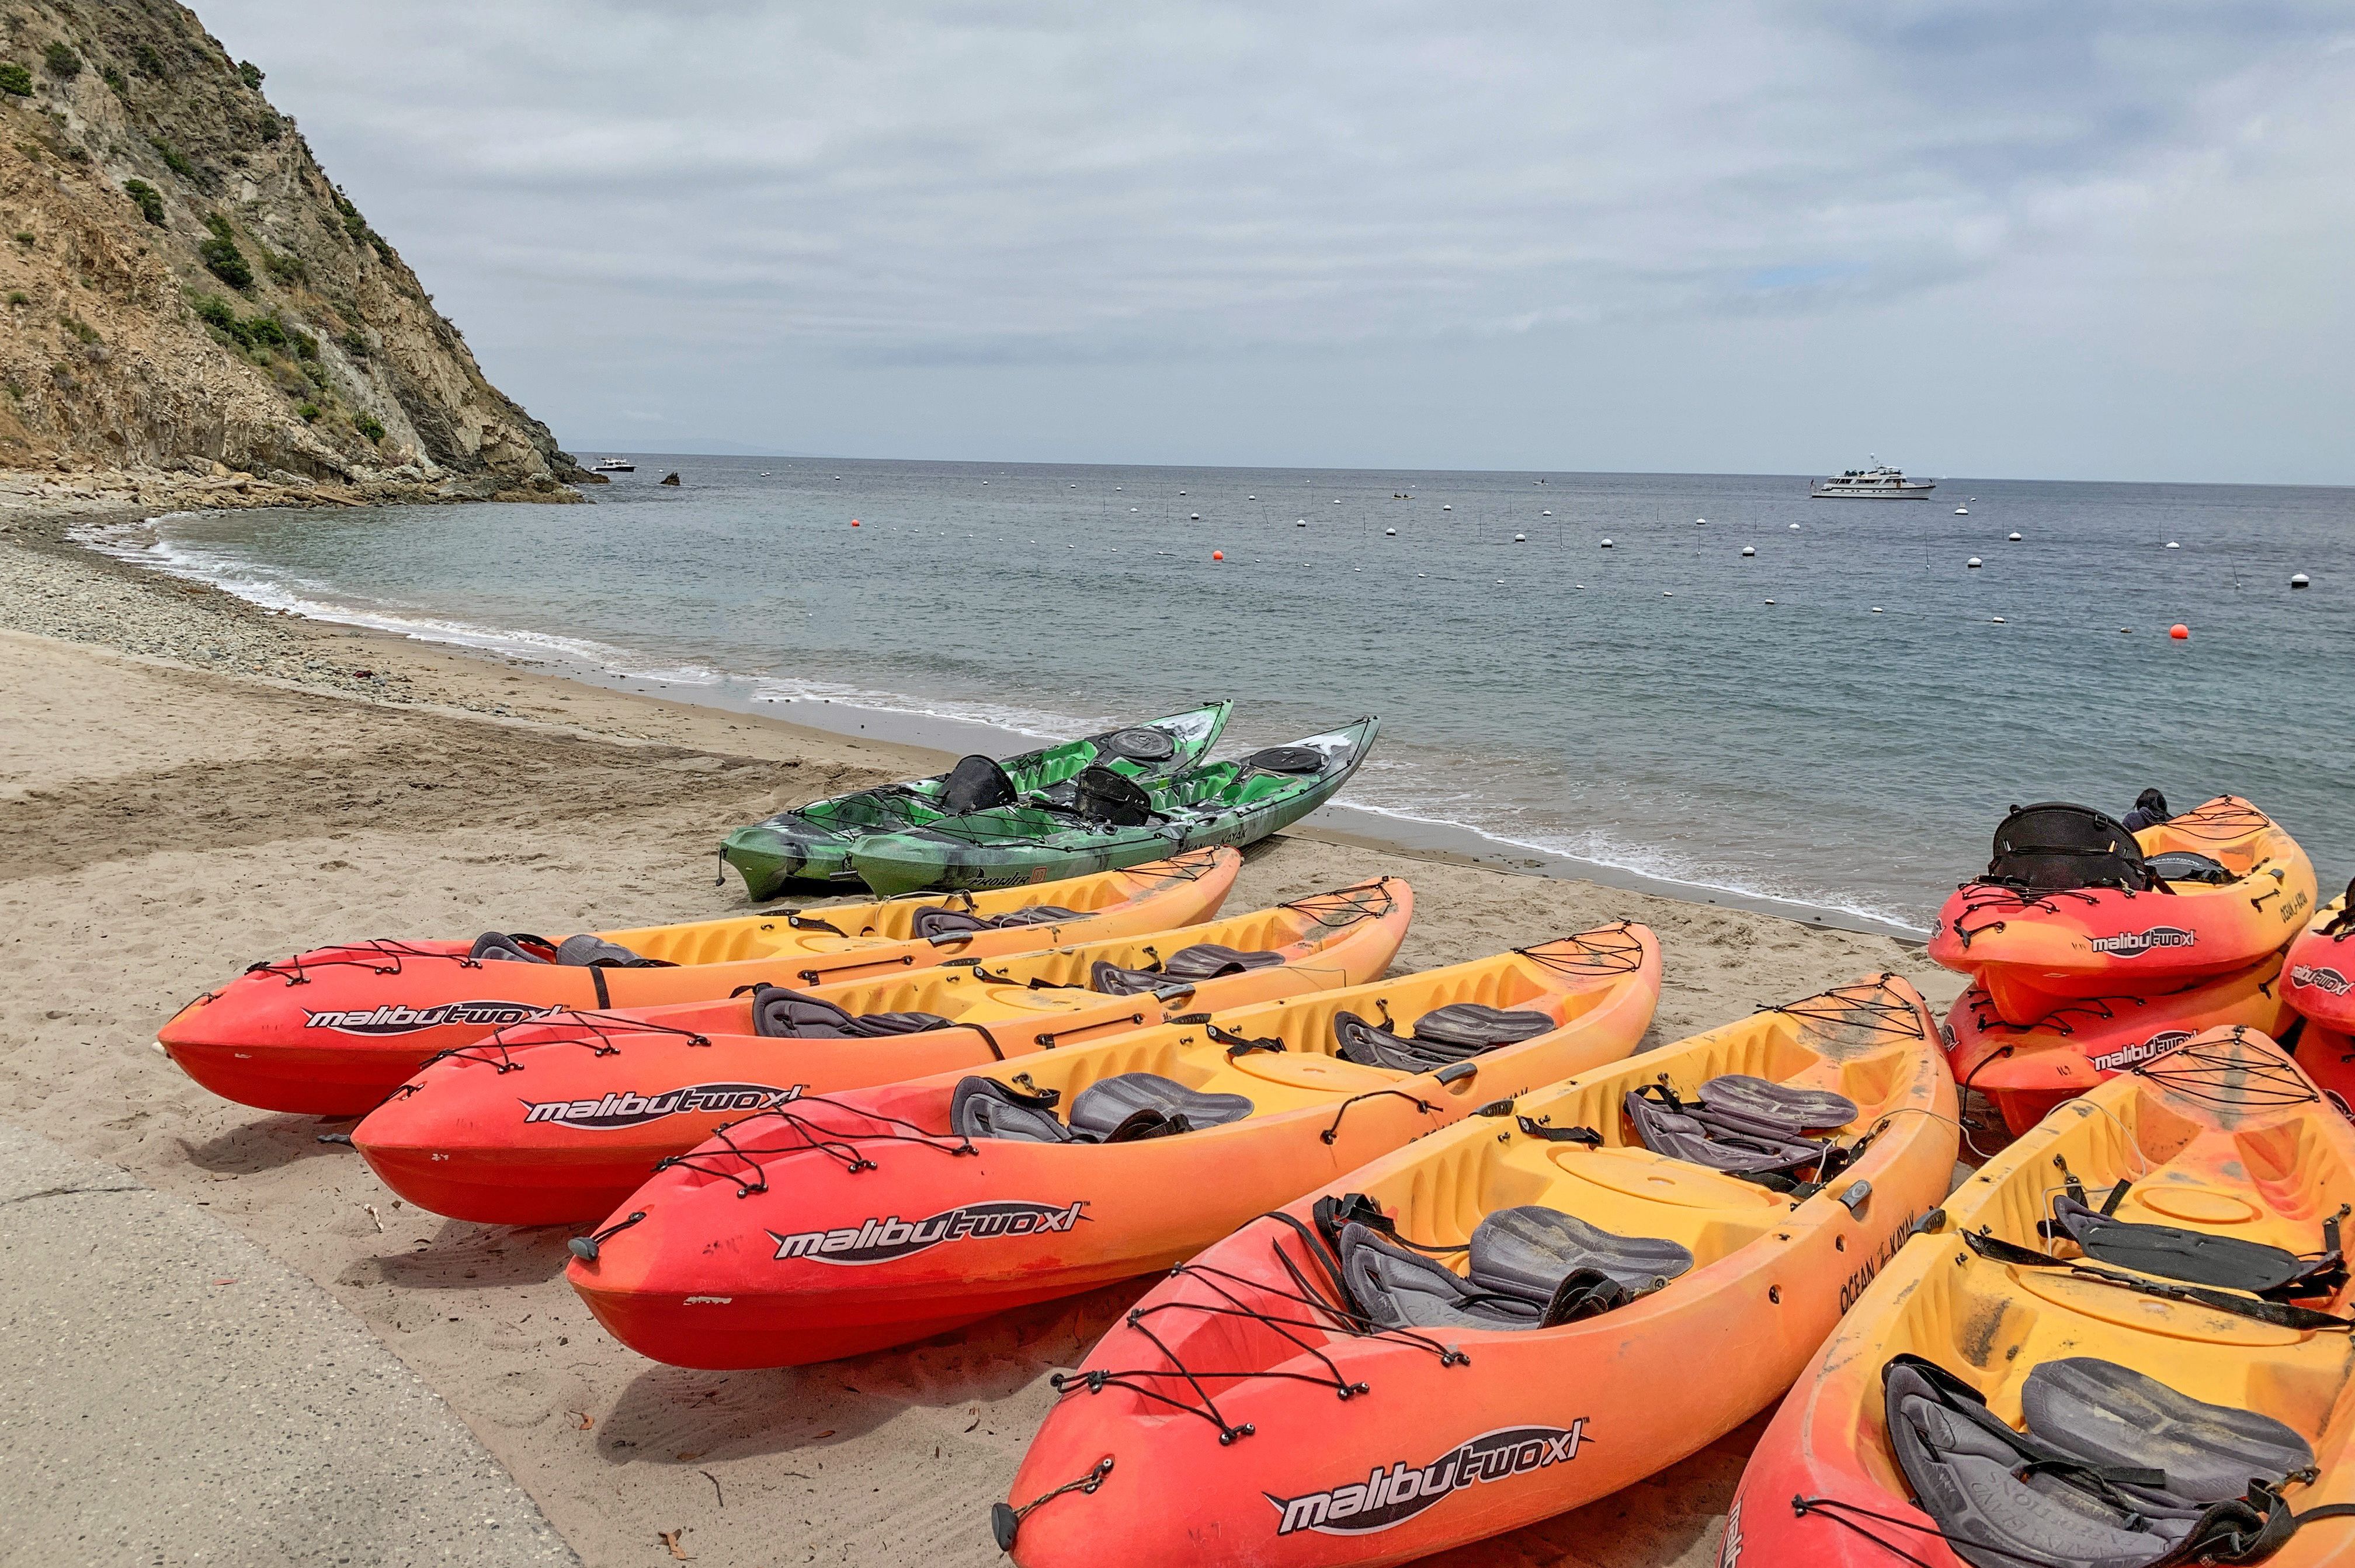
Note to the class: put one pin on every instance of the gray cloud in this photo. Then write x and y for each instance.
(1239, 233)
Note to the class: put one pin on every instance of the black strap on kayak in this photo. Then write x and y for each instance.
(1877, 1006)
(852, 1148)
(586, 1248)
(2279, 1313)
(1420, 1104)
(1537, 1129)
(1346, 906)
(1586, 955)
(381, 954)
(2231, 1074)
(1005, 1520)
(1329, 1311)
(1236, 1044)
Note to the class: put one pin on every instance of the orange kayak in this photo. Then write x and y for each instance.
(2319, 978)
(2105, 1343)
(835, 1225)
(2074, 906)
(2028, 1069)
(1509, 1318)
(559, 1120)
(332, 1031)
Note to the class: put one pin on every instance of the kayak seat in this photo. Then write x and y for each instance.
(2199, 1257)
(2183, 866)
(1111, 798)
(1123, 1108)
(781, 1014)
(2114, 1470)
(1203, 961)
(1441, 1036)
(976, 784)
(1101, 1109)
(937, 921)
(2055, 847)
(1530, 1249)
(1743, 1126)
(1530, 1267)
(584, 951)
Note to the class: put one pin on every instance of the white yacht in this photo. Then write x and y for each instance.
(1879, 482)
(615, 465)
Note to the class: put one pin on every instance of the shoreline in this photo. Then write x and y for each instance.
(932, 741)
(188, 784)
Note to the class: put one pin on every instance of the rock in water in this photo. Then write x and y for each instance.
(216, 297)
(671, 478)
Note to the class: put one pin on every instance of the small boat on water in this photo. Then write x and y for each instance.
(1880, 481)
(615, 465)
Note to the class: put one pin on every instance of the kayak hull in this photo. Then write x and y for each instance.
(811, 844)
(2318, 977)
(333, 1030)
(1824, 1486)
(995, 849)
(558, 1123)
(2032, 953)
(2028, 1069)
(844, 1226)
(1214, 1405)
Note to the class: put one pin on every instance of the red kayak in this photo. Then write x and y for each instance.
(2028, 1069)
(2319, 978)
(331, 1031)
(557, 1122)
(2073, 905)
(836, 1225)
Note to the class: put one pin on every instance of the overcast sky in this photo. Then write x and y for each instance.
(1997, 237)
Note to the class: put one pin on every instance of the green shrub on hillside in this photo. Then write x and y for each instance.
(251, 74)
(15, 79)
(150, 63)
(267, 329)
(226, 262)
(287, 269)
(150, 201)
(305, 347)
(113, 78)
(310, 412)
(173, 159)
(61, 61)
(369, 425)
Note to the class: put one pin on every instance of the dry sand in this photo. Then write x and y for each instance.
(251, 784)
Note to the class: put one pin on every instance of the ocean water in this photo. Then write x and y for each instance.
(1835, 723)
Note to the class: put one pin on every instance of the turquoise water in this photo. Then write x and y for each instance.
(1666, 706)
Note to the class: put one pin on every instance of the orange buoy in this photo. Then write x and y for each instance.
(1217, 555)
(854, 522)
(2180, 632)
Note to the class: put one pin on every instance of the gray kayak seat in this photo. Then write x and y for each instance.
(583, 950)
(1114, 799)
(935, 920)
(2183, 866)
(976, 784)
(2199, 1257)
(1530, 1249)
(2113, 1469)
(1203, 961)
(1442, 1036)
(1121, 1109)
(1739, 1124)
(781, 1014)
(1528, 1267)
(985, 1108)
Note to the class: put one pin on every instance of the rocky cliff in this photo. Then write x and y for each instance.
(185, 287)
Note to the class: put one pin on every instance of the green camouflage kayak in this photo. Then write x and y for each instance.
(812, 843)
(1111, 823)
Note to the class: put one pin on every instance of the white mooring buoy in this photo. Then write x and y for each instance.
(2172, 545)
(1747, 550)
(1520, 539)
(1972, 561)
(1606, 544)
(1390, 533)
(2014, 537)
(2299, 580)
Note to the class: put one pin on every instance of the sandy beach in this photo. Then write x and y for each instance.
(188, 785)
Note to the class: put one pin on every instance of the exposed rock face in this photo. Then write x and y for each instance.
(183, 286)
